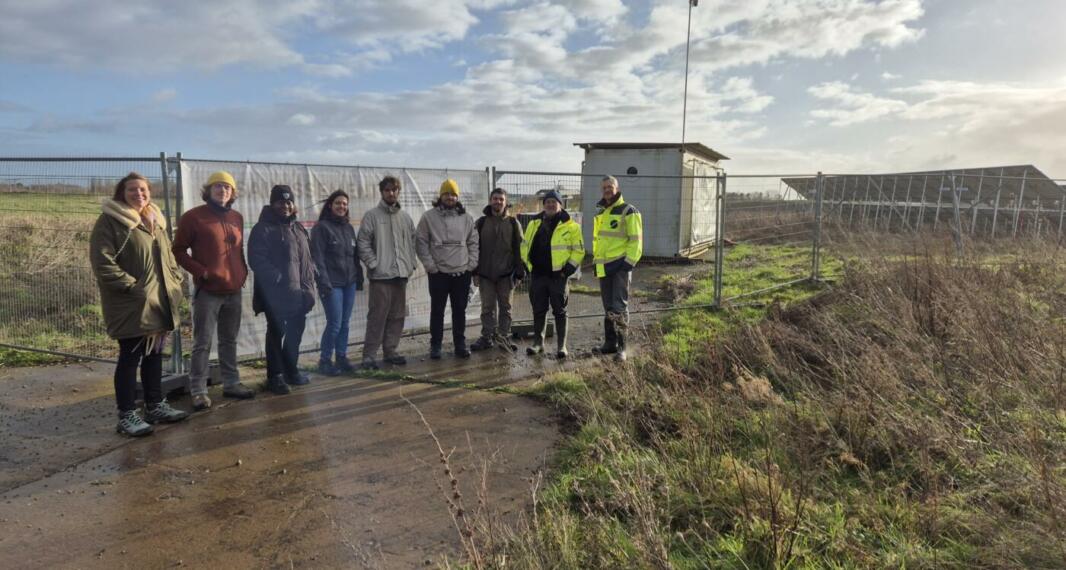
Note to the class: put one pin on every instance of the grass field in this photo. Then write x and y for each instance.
(912, 415)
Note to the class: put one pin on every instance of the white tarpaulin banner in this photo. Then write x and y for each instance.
(311, 184)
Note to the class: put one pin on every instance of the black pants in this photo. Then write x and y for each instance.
(442, 288)
(549, 290)
(130, 356)
(283, 336)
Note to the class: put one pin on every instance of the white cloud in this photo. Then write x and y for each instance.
(852, 106)
(302, 120)
(164, 95)
(889, 76)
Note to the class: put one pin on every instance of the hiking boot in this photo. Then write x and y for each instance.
(298, 379)
(504, 342)
(396, 360)
(277, 385)
(343, 365)
(482, 343)
(434, 352)
(326, 368)
(200, 402)
(131, 424)
(163, 412)
(369, 364)
(462, 351)
(238, 391)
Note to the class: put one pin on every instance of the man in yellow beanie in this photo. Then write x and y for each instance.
(447, 245)
(209, 244)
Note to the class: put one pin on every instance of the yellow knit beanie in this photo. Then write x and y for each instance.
(449, 186)
(222, 176)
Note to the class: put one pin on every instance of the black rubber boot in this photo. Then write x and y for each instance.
(560, 337)
(539, 322)
(610, 338)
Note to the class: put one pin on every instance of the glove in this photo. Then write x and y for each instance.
(569, 270)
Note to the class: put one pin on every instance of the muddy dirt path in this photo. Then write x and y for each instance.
(339, 474)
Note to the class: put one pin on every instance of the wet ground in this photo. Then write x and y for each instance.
(341, 473)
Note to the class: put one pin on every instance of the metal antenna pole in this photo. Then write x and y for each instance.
(684, 102)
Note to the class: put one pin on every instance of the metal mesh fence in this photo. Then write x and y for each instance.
(49, 299)
(755, 233)
(1003, 202)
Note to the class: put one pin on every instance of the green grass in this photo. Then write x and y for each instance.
(24, 204)
(913, 416)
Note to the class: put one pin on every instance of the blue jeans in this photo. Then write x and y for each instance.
(338, 307)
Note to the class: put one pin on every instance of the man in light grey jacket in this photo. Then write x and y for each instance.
(447, 246)
(386, 245)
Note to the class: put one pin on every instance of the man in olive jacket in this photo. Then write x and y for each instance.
(386, 245)
(499, 268)
(447, 246)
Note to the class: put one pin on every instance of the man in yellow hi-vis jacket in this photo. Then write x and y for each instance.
(617, 244)
(552, 250)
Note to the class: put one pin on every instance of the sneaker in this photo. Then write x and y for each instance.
(369, 364)
(163, 412)
(277, 385)
(326, 368)
(462, 352)
(238, 391)
(396, 360)
(343, 365)
(299, 379)
(131, 424)
(200, 402)
(481, 344)
(434, 352)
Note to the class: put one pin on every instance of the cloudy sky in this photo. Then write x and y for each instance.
(778, 85)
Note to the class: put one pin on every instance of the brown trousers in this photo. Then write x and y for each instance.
(384, 320)
(496, 306)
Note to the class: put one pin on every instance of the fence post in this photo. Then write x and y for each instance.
(177, 363)
(957, 230)
(819, 190)
(975, 205)
(719, 245)
(1062, 210)
(1018, 206)
(490, 174)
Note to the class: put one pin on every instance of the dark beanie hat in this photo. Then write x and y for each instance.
(281, 193)
(552, 194)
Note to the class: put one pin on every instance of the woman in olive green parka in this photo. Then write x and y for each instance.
(140, 291)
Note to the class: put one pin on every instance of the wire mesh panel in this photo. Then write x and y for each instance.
(49, 300)
(770, 229)
(311, 184)
(1009, 201)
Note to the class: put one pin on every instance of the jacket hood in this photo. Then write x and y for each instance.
(270, 216)
(459, 209)
(564, 216)
(389, 209)
(487, 210)
(331, 217)
(618, 201)
(130, 217)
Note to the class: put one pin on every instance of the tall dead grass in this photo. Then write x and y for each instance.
(914, 415)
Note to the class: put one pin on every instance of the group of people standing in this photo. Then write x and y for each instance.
(137, 269)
